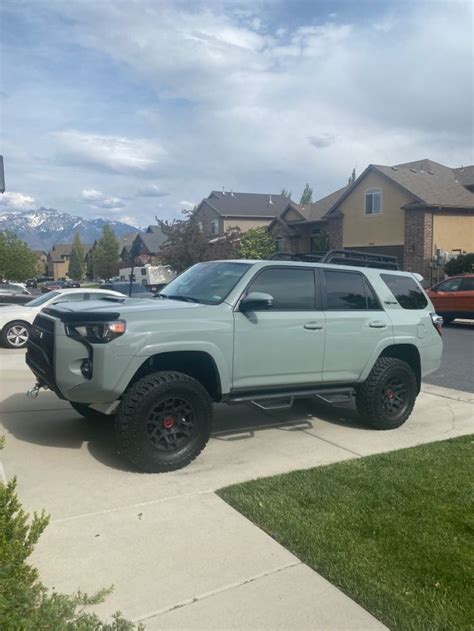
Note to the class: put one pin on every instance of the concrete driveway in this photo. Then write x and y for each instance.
(177, 555)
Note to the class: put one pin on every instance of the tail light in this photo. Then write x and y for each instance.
(437, 321)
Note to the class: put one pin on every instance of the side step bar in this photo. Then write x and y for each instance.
(284, 400)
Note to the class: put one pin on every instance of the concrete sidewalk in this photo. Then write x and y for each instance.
(178, 556)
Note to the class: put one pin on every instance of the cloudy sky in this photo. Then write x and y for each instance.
(127, 109)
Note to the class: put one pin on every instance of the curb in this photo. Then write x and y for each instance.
(448, 393)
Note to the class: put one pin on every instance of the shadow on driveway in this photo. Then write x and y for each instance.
(64, 429)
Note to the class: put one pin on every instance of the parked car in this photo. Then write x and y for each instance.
(454, 298)
(138, 291)
(52, 285)
(72, 284)
(31, 283)
(16, 320)
(263, 332)
(13, 293)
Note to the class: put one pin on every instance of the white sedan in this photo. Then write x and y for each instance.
(16, 320)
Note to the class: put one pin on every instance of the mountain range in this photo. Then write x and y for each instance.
(44, 227)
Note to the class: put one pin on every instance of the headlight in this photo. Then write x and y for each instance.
(96, 332)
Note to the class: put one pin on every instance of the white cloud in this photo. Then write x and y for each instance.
(151, 190)
(97, 199)
(187, 204)
(17, 201)
(90, 194)
(112, 153)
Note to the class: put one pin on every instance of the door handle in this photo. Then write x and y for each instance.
(313, 326)
(377, 324)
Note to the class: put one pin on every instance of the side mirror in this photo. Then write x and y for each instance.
(256, 301)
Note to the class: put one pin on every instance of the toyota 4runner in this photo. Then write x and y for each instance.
(261, 332)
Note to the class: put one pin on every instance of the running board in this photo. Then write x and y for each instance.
(286, 398)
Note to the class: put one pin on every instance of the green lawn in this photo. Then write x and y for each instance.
(394, 531)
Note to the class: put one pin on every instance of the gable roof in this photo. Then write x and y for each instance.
(125, 242)
(428, 182)
(246, 204)
(60, 250)
(153, 239)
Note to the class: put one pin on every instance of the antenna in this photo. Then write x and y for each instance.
(223, 190)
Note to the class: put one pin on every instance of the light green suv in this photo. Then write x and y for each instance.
(261, 332)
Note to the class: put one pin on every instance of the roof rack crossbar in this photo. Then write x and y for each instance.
(342, 257)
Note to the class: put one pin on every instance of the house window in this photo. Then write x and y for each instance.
(373, 202)
(215, 226)
(200, 226)
(279, 244)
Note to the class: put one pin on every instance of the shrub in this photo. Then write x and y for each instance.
(462, 264)
(25, 603)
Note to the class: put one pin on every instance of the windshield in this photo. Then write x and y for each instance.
(42, 299)
(209, 283)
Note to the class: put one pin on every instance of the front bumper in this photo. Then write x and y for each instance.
(55, 359)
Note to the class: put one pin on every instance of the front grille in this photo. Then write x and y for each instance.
(40, 351)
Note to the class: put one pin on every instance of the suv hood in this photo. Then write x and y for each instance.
(105, 309)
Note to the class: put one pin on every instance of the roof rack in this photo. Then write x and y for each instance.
(342, 257)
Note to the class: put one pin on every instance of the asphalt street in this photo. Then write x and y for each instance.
(457, 366)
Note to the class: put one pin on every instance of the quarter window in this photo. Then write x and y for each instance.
(348, 291)
(373, 202)
(292, 289)
(406, 290)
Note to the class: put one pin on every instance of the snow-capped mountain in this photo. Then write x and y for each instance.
(44, 227)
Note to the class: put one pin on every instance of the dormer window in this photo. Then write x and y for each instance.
(373, 202)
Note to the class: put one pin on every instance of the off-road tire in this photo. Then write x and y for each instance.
(371, 395)
(9, 328)
(137, 412)
(84, 410)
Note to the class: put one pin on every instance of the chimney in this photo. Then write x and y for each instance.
(223, 191)
(270, 201)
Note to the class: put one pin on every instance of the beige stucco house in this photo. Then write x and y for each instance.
(412, 210)
(223, 210)
(58, 259)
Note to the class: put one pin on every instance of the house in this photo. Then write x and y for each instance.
(222, 210)
(413, 211)
(58, 259)
(125, 244)
(147, 246)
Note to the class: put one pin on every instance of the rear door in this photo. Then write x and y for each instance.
(283, 345)
(465, 296)
(356, 324)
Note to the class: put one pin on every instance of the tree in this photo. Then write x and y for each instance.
(352, 177)
(256, 243)
(105, 259)
(76, 262)
(17, 260)
(307, 196)
(186, 243)
(285, 193)
(462, 264)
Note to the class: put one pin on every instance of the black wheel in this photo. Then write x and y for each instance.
(164, 422)
(387, 397)
(15, 334)
(84, 410)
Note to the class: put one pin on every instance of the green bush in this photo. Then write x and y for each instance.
(462, 264)
(25, 603)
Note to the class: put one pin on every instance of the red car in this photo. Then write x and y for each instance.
(454, 298)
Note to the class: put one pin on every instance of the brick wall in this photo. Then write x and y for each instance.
(418, 241)
(335, 232)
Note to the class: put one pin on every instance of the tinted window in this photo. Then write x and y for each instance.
(348, 291)
(449, 285)
(467, 284)
(292, 289)
(405, 289)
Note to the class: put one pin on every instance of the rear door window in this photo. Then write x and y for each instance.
(467, 284)
(406, 290)
(348, 291)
